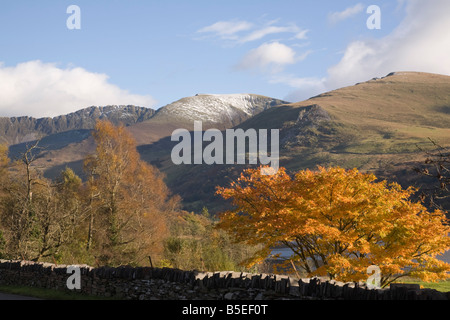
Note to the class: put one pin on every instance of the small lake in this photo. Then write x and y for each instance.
(286, 253)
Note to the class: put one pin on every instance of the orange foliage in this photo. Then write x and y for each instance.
(337, 223)
(130, 201)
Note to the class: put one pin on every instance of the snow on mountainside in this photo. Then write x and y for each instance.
(221, 110)
(215, 108)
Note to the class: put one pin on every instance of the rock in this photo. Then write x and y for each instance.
(229, 296)
(119, 282)
(259, 296)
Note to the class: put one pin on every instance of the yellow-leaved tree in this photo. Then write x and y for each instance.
(129, 203)
(337, 223)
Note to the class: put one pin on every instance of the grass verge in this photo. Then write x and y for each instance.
(47, 294)
(443, 286)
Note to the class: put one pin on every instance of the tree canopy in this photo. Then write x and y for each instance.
(337, 223)
(130, 203)
(117, 215)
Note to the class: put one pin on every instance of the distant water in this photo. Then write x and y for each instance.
(445, 257)
(286, 253)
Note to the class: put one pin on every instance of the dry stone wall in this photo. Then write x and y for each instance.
(145, 283)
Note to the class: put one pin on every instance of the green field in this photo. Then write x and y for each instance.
(443, 286)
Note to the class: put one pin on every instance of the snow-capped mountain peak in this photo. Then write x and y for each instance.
(218, 108)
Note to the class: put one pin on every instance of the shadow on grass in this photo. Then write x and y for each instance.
(48, 294)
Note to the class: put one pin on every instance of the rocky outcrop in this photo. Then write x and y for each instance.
(24, 129)
(308, 129)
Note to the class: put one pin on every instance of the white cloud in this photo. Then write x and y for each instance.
(265, 31)
(400, 4)
(302, 34)
(235, 30)
(269, 57)
(227, 29)
(42, 89)
(336, 17)
(420, 43)
(304, 87)
(297, 82)
(261, 33)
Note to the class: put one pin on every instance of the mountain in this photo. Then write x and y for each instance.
(220, 110)
(371, 125)
(67, 139)
(25, 129)
(213, 110)
(375, 126)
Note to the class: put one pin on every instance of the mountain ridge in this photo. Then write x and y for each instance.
(67, 138)
(375, 126)
(218, 108)
(16, 130)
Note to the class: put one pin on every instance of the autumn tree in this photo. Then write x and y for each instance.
(129, 201)
(18, 209)
(68, 193)
(34, 213)
(195, 243)
(337, 223)
(4, 162)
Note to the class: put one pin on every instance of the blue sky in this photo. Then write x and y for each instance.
(152, 53)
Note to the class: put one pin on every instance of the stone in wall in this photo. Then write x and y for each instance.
(145, 283)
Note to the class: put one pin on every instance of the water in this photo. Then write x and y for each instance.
(286, 253)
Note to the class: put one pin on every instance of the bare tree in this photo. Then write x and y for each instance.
(437, 167)
(37, 216)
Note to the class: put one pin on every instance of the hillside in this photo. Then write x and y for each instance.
(221, 110)
(214, 111)
(392, 113)
(375, 126)
(67, 139)
(25, 129)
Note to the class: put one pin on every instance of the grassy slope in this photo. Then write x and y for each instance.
(376, 126)
(392, 113)
(379, 123)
